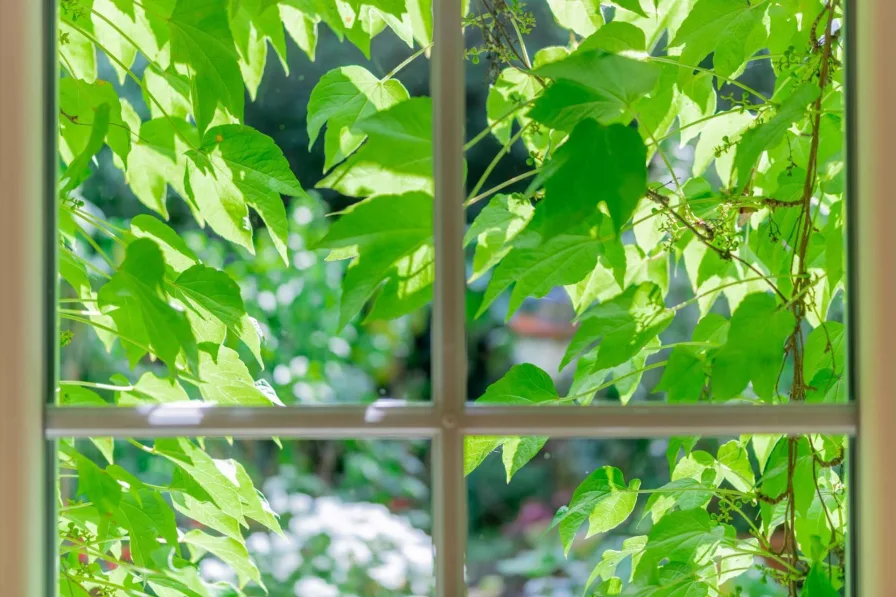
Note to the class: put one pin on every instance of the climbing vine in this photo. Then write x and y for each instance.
(607, 211)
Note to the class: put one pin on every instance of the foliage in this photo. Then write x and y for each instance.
(758, 221)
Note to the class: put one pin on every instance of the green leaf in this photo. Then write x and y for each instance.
(97, 486)
(157, 160)
(78, 102)
(134, 301)
(581, 16)
(615, 155)
(602, 498)
(534, 270)
(825, 349)
(632, 5)
(230, 551)
(818, 585)
(523, 384)
(517, 451)
(753, 351)
(623, 326)
(397, 156)
(772, 132)
(735, 465)
(611, 559)
(207, 514)
(676, 579)
(152, 389)
(678, 537)
(684, 376)
(505, 100)
(713, 138)
(616, 37)
(254, 23)
(79, 168)
(685, 494)
(203, 46)
(494, 228)
(477, 448)
(202, 475)
(592, 84)
(226, 380)
(300, 26)
(342, 98)
(378, 234)
(244, 167)
(174, 249)
(730, 30)
(147, 520)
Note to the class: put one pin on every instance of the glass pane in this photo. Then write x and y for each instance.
(177, 517)
(208, 157)
(656, 204)
(761, 516)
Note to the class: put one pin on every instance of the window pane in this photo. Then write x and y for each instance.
(764, 516)
(176, 517)
(207, 160)
(656, 206)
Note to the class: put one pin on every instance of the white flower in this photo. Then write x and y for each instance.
(312, 586)
(214, 570)
(392, 573)
(285, 564)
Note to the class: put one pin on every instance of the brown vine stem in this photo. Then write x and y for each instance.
(724, 254)
(802, 283)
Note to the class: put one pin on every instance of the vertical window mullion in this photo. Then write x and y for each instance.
(449, 338)
(26, 299)
(872, 128)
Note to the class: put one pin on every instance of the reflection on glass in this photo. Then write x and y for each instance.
(179, 517)
(207, 160)
(764, 516)
(639, 229)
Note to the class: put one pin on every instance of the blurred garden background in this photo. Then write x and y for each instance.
(356, 515)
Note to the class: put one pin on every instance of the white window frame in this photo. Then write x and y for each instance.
(28, 331)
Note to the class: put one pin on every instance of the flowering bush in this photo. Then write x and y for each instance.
(333, 548)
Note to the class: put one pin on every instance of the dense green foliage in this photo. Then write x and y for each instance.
(757, 221)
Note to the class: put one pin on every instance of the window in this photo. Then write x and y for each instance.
(31, 416)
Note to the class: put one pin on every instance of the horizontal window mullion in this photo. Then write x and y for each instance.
(301, 421)
(642, 420)
(423, 420)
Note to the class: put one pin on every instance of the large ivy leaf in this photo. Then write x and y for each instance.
(238, 166)
(151, 388)
(148, 520)
(772, 132)
(562, 259)
(143, 318)
(397, 156)
(614, 159)
(686, 536)
(593, 84)
(378, 234)
(730, 30)
(581, 16)
(753, 351)
(684, 376)
(818, 584)
(603, 499)
(202, 47)
(623, 326)
(340, 99)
